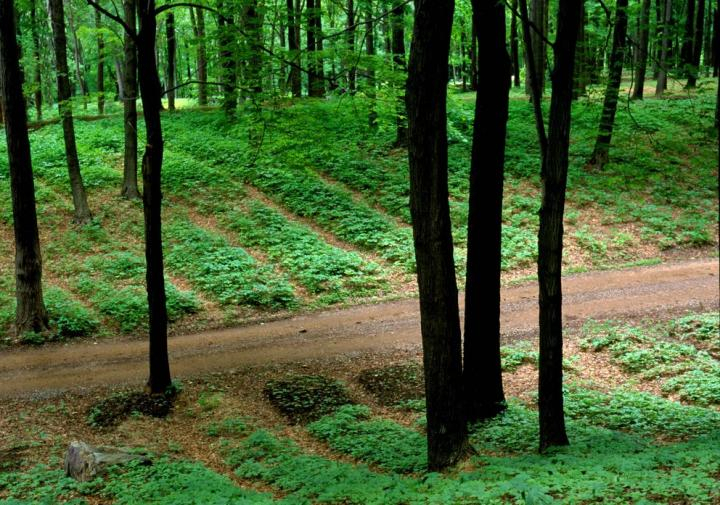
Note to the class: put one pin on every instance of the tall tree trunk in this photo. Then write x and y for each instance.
(228, 61)
(316, 86)
(482, 373)
(294, 50)
(370, 47)
(352, 70)
(77, 55)
(716, 43)
(642, 50)
(601, 152)
(129, 97)
(253, 31)
(514, 46)
(427, 147)
(686, 52)
(663, 60)
(57, 15)
(197, 17)
(37, 76)
(100, 65)
(30, 314)
(581, 58)
(398, 50)
(550, 236)
(171, 53)
(697, 44)
(151, 91)
(538, 16)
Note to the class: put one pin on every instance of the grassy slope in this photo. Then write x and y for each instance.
(332, 208)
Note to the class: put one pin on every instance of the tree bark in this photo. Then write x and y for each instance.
(253, 31)
(686, 51)
(37, 75)
(78, 58)
(697, 45)
(171, 53)
(473, 58)
(370, 47)
(30, 314)
(197, 17)
(151, 91)
(716, 43)
(293, 48)
(581, 59)
(228, 61)
(100, 65)
(82, 211)
(316, 87)
(642, 50)
(427, 147)
(663, 63)
(601, 152)
(550, 236)
(129, 97)
(539, 17)
(514, 46)
(482, 373)
(397, 20)
(352, 68)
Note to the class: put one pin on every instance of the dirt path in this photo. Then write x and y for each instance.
(657, 291)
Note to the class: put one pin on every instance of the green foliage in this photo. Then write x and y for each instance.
(394, 384)
(520, 353)
(42, 485)
(228, 427)
(304, 398)
(67, 316)
(385, 443)
(227, 272)
(111, 411)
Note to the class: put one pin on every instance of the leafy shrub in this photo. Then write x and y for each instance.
(304, 398)
(113, 410)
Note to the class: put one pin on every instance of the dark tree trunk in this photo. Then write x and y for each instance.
(663, 59)
(642, 50)
(151, 91)
(550, 236)
(294, 49)
(398, 50)
(538, 16)
(482, 373)
(37, 79)
(473, 58)
(253, 31)
(228, 61)
(30, 315)
(78, 58)
(686, 52)
(697, 45)
(198, 25)
(352, 70)
(171, 53)
(370, 47)
(514, 46)
(439, 318)
(57, 15)
(316, 86)
(100, 65)
(601, 152)
(129, 97)
(716, 43)
(581, 59)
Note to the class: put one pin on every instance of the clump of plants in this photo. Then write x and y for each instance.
(306, 398)
(111, 411)
(394, 384)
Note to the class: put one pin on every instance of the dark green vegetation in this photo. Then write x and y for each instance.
(331, 199)
(628, 446)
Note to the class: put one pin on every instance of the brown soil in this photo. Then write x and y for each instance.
(392, 327)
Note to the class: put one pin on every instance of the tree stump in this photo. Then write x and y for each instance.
(84, 462)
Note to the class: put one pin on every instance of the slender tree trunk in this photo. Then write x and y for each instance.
(550, 236)
(100, 65)
(697, 44)
(253, 30)
(352, 70)
(30, 314)
(538, 16)
(439, 318)
(686, 52)
(82, 211)
(129, 97)
(228, 61)
(663, 63)
(197, 17)
(716, 43)
(482, 373)
(159, 377)
(601, 152)
(171, 53)
(316, 86)
(514, 46)
(293, 47)
(37, 80)
(642, 50)
(473, 58)
(581, 58)
(370, 47)
(463, 59)
(77, 53)
(398, 49)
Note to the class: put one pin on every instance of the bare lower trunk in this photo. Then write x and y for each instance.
(82, 210)
(129, 97)
(642, 51)
(30, 315)
(171, 53)
(100, 65)
(398, 50)
(663, 63)
(37, 81)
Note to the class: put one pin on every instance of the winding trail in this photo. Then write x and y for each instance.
(656, 291)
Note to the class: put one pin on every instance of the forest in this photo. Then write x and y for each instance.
(359, 251)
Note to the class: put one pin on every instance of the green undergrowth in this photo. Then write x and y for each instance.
(304, 398)
(682, 354)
